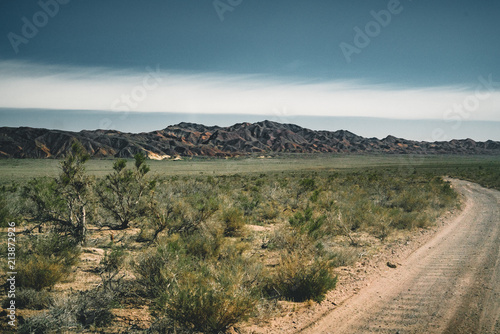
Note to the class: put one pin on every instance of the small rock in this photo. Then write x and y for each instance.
(391, 265)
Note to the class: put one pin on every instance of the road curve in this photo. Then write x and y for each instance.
(450, 285)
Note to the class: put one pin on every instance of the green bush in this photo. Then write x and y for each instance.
(233, 222)
(248, 204)
(210, 298)
(152, 267)
(5, 216)
(110, 267)
(299, 278)
(198, 293)
(204, 244)
(40, 324)
(269, 211)
(307, 184)
(45, 261)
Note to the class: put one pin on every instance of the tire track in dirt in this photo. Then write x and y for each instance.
(449, 285)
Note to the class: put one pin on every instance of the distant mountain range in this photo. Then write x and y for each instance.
(189, 139)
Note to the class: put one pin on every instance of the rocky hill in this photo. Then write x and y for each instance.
(188, 139)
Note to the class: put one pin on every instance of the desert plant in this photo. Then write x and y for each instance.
(305, 223)
(93, 307)
(41, 323)
(211, 299)
(45, 260)
(269, 211)
(64, 201)
(233, 221)
(248, 204)
(204, 243)
(300, 278)
(197, 293)
(341, 257)
(38, 272)
(72, 313)
(307, 184)
(125, 193)
(151, 268)
(5, 214)
(110, 267)
(163, 213)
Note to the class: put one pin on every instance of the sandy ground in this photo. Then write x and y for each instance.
(451, 284)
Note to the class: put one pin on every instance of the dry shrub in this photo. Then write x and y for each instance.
(300, 278)
(209, 304)
(233, 222)
(38, 272)
(71, 314)
(343, 256)
(46, 260)
(197, 293)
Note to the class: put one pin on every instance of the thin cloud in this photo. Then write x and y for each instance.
(27, 85)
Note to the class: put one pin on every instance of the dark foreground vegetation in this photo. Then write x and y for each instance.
(203, 252)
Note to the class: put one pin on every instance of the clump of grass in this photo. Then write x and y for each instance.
(342, 257)
(38, 272)
(300, 278)
(74, 313)
(45, 261)
(209, 300)
(197, 292)
(233, 221)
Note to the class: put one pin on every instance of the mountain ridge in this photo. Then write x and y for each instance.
(192, 139)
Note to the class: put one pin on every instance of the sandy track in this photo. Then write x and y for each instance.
(449, 285)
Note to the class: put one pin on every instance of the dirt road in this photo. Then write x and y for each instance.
(450, 285)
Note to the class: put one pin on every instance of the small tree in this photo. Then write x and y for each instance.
(64, 201)
(124, 193)
(73, 185)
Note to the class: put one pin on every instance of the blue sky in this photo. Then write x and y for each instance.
(416, 66)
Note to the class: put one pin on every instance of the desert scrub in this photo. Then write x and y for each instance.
(306, 223)
(125, 193)
(110, 267)
(211, 299)
(343, 256)
(45, 260)
(81, 310)
(9, 196)
(206, 294)
(233, 222)
(301, 277)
